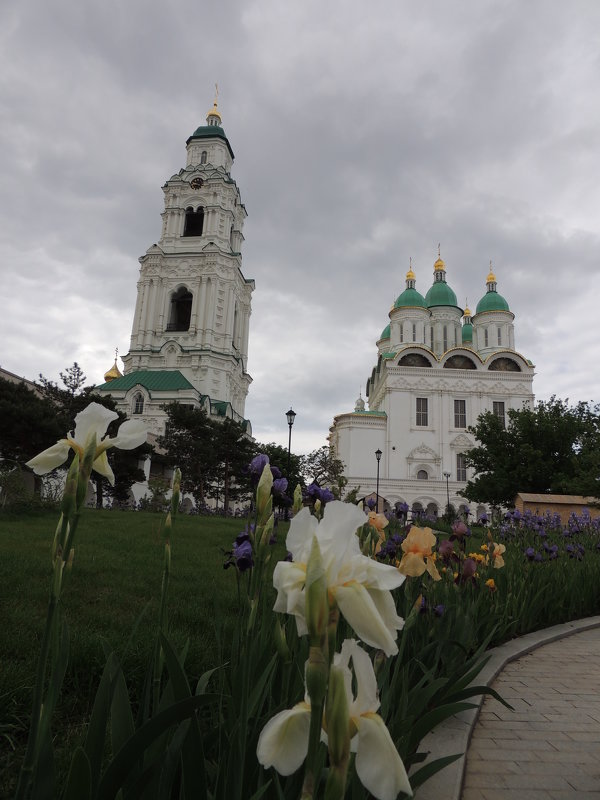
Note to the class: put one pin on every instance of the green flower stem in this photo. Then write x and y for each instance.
(314, 737)
(28, 766)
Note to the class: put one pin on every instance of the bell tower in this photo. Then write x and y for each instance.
(192, 314)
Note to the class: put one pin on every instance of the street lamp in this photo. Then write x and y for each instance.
(447, 476)
(291, 416)
(378, 455)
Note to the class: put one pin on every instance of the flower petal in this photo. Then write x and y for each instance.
(93, 419)
(102, 467)
(131, 434)
(432, 570)
(361, 613)
(283, 742)
(378, 764)
(300, 535)
(49, 459)
(366, 683)
(412, 564)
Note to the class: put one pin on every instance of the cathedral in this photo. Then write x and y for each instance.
(438, 368)
(189, 339)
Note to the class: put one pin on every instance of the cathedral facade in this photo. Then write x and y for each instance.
(189, 339)
(438, 368)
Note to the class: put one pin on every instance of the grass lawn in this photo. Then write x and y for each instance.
(115, 580)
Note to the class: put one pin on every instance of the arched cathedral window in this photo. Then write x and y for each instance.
(422, 475)
(180, 312)
(194, 222)
(203, 157)
(138, 403)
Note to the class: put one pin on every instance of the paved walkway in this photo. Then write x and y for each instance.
(548, 748)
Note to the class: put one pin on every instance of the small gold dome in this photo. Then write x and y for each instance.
(467, 312)
(410, 275)
(113, 373)
(214, 112)
(491, 278)
(439, 264)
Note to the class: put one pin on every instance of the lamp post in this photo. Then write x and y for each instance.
(447, 476)
(378, 455)
(291, 416)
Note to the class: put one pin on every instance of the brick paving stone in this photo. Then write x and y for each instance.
(548, 748)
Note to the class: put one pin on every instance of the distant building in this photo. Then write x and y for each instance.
(189, 339)
(565, 505)
(438, 368)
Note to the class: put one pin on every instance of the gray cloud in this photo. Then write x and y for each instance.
(362, 138)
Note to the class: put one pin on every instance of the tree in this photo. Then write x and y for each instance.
(323, 468)
(551, 448)
(188, 442)
(30, 423)
(234, 452)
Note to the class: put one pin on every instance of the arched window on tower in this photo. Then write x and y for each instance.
(203, 157)
(181, 310)
(445, 338)
(485, 338)
(414, 332)
(138, 403)
(422, 475)
(194, 222)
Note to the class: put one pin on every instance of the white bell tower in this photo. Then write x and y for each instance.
(193, 307)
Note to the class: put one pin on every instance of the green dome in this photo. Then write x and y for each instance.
(467, 333)
(410, 297)
(440, 294)
(492, 301)
(385, 333)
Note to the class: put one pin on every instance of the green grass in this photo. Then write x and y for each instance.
(115, 581)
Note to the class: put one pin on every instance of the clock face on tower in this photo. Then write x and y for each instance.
(196, 183)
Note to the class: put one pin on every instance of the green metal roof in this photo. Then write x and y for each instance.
(211, 132)
(385, 333)
(410, 297)
(153, 380)
(440, 294)
(467, 332)
(492, 301)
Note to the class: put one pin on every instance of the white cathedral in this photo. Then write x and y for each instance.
(438, 368)
(189, 339)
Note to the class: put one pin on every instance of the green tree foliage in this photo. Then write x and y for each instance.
(323, 468)
(213, 455)
(552, 448)
(188, 443)
(29, 423)
(233, 452)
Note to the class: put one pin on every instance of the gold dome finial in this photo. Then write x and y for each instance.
(410, 275)
(467, 312)
(439, 264)
(491, 278)
(114, 372)
(214, 112)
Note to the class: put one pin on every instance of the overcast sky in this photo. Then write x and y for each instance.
(364, 134)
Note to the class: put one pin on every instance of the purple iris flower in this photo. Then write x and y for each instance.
(258, 464)
(371, 503)
(276, 472)
(279, 485)
(439, 610)
(243, 555)
(530, 553)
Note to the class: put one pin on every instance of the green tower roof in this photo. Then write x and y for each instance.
(211, 132)
(440, 294)
(385, 333)
(153, 380)
(410, 297)
(492, 301)
(467, 332)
